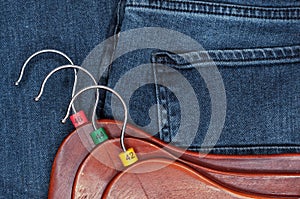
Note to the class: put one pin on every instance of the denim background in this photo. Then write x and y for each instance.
(256, 49)
(31, 132)
(257, 55)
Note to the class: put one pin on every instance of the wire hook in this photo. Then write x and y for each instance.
(65, 67)
(94, 116)
(48, 51)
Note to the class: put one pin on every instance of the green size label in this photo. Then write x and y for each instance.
(99, 136)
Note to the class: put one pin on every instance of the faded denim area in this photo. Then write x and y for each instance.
(256, 49)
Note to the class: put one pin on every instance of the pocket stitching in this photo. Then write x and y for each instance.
(220, 9)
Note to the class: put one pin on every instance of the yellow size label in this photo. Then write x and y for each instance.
(128, 157)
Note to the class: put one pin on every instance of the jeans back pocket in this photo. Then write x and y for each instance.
(262, 87)
(255, 53)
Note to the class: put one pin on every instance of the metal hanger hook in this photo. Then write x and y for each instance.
(94, 115)
(65, 67)
(48, 51)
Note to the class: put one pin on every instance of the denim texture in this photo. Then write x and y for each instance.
(255, 45)
(256, 49)
(31, 132)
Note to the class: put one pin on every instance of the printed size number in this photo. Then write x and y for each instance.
(78, 120)
(130, 156)
(100, 136)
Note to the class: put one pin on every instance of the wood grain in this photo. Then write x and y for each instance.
(102, 165)
(166, 179)
(261, 175)
(69, 156)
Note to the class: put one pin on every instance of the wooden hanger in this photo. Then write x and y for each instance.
(167, 179)
(81, 170)
(68, 158)
(252, 176)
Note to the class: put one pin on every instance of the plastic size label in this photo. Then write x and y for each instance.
(128, 157)
(99, 136)
(78, 119)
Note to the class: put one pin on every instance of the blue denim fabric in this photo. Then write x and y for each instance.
(32, 132)
(256, 49)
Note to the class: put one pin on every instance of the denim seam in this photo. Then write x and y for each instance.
(226, 62)
(164, 115)
(162, 100)
(109, 50)
(284, 54)
(220, 9)
(240, 148)
(119, 19)
(159, 121)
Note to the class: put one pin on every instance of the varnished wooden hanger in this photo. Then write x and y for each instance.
(261, 176)
(69, 156)
(167, 179)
